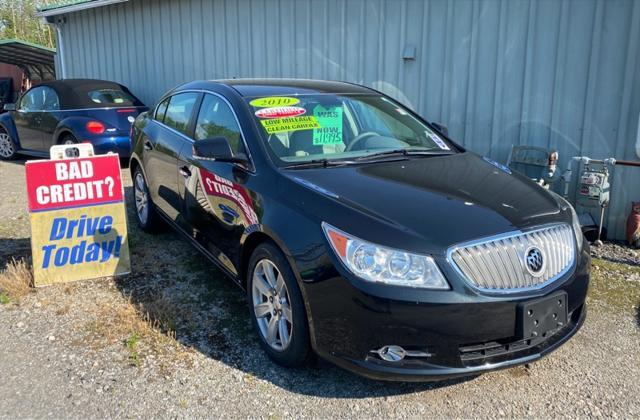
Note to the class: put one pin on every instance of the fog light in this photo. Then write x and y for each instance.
(395, 353)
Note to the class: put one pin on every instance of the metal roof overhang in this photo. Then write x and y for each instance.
(71, 6)
(37, 61)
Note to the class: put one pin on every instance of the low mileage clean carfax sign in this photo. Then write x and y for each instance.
(78, 221)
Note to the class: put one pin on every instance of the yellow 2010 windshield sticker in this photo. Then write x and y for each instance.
(272, 101)
(280, 125)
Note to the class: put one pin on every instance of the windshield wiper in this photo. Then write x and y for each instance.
(322, 163)
(402, 153)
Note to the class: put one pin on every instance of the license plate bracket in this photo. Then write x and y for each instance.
(538, 318)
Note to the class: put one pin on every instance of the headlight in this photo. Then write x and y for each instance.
(380, 264)
(575, 221)
(577, 229)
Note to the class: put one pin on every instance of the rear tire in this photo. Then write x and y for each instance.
(7, 146)
(68, 139)
(147, 217)
(276, 307)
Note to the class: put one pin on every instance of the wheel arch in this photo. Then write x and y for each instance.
(63, 132)
(249, 245)
(134, 163)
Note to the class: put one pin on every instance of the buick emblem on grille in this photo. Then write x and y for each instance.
(534, 261)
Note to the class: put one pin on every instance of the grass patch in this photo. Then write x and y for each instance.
(16, 281)
(140, 328)
(4, 299)
(609, 284)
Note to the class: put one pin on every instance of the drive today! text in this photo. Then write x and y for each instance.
(90, 249)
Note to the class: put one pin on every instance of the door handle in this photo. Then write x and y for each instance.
(148, 145)
(185, 172)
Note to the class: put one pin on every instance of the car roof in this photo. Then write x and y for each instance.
(74, 93)
(271, 87)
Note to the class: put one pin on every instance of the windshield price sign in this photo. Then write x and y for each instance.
(78, 221)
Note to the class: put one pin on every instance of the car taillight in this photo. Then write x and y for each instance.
(95, 127)
(126, 110)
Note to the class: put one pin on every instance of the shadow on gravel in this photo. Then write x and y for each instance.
(14, 248)
(19, 160)
(638, 314)
(616, 252)
(181, 291)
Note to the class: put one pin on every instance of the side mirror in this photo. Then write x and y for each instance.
(218, 149)
(9, 107)
(441, 128)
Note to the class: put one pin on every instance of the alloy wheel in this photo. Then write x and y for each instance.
(6, 145)
(142, 198)
(271, 305)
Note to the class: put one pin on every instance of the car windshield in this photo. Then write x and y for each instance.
(111, 97)
(329, 127)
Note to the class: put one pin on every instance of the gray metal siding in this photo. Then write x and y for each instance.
(554, 73)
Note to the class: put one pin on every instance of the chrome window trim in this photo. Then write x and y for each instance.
(507, 235)
(233, 111)
(106, 108)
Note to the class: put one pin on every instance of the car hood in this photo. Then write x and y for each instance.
(439, 200)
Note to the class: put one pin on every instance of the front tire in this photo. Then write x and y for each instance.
(7, 147)
(148, 218)
(276, 307)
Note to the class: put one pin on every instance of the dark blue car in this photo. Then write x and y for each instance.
(69, 111)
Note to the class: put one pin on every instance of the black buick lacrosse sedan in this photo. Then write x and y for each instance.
(360, 231)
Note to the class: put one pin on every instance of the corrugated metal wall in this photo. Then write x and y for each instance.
(554, 73)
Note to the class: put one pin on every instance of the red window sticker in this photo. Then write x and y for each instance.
(280, 112)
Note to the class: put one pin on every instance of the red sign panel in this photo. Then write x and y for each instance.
(230, 192)
(67, 183)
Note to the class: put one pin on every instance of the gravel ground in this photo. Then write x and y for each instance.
(173, 339)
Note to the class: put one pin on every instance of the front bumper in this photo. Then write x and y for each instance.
(465, 332)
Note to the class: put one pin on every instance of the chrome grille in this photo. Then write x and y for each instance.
(499, 263)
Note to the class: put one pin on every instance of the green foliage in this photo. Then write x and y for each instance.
(131, 343)
(18, 21)
(4, 299)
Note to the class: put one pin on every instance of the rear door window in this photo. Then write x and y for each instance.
(51, 101)
(162, 110)
(217, 119)
(179, 111)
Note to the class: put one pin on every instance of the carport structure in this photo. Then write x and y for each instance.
(35, 60)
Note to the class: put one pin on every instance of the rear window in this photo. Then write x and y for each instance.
(111, 97)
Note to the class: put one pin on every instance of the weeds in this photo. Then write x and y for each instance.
(141, 329)
(16, 281)
(131, 343)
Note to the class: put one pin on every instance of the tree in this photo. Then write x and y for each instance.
(18, 20)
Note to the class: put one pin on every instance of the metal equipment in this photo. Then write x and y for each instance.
(593, 186)
(537, 163)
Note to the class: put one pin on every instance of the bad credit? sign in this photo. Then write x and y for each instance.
(78, 220)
